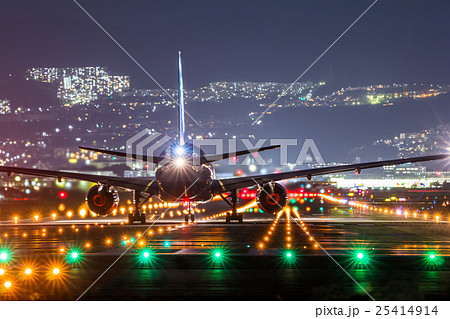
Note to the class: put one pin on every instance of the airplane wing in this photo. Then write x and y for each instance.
(225, 185)
(141, 184)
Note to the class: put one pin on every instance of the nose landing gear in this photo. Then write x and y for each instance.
(190, 214)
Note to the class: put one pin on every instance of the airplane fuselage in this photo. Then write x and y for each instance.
(185, 182)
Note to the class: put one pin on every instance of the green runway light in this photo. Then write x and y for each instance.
(248, 246)
(166, 243)
(147, 256)
(288, 255)
(74, 255)
(431, 256)
(132, 240)
(217, 254)
(360, 255)
(3, 256)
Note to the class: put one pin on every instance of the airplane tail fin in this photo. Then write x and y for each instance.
(181, 102)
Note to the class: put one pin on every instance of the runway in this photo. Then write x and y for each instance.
(329, 254)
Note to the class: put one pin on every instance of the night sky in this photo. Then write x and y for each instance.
(396, 41)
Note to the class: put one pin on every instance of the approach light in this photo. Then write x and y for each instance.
(8, 284)
(28, 271)
(56, 271)
(2, 271)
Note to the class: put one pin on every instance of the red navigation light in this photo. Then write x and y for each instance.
(239, 172)
(62, 194)
(234, 158)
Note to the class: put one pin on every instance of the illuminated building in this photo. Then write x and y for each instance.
(81, 85)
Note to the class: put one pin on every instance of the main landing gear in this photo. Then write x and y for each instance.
(137, 215)
(234, 214)
(190, 214)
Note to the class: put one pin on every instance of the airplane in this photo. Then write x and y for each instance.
(188, 177)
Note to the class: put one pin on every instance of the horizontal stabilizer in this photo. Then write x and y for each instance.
(213, 158)
(145, 158)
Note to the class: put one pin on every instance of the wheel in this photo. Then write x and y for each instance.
(192, 218)
(186, 218)
(142, 218)
(130, 219)
(240, 218)
(227, 219)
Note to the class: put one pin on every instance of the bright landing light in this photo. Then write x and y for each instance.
(179, 162)
(179, 150)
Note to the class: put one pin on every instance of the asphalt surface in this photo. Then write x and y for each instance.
(211, 260)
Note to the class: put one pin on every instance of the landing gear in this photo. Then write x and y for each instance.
(137, 215)
(233, 215)
(190, 213)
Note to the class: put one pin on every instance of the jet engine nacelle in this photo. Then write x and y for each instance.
(102, 199)
(271, 198)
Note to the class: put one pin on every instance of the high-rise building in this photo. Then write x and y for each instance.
(81, 85)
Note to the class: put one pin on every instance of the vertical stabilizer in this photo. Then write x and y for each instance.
(181, 102)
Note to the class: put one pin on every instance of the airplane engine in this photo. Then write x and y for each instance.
(102, 200)
(271, 198)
